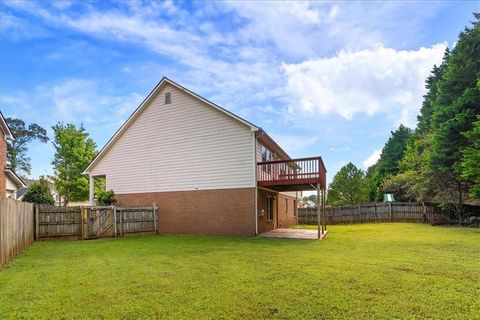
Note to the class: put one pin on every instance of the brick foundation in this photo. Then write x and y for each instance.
(227, 212)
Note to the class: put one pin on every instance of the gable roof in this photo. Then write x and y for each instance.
(145, 103)
(151, 96)
(5, 128)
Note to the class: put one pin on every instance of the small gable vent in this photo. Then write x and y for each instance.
(168, 98)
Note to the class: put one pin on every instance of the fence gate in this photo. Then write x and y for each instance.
(100, 222)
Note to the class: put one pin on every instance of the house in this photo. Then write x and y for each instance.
(207, 170)
(310, 204)
(9, 181)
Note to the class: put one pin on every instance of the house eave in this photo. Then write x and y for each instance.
(15, 178)
(5, 128)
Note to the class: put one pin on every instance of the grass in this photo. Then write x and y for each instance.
(383, 271)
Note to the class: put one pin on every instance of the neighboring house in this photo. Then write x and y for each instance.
(28, 182)
(9, 181)
(310, 204)
(207, 170)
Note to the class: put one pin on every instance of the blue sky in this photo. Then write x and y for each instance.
(323, 78)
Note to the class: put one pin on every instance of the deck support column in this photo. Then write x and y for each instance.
(324, 209)
(319, 222)
(91, 190)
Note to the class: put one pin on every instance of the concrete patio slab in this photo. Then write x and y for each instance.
(293, 234)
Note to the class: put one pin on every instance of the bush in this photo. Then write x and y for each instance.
(106, 198)
(39, 193)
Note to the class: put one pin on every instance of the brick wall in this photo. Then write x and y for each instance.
(211, 212)
(286, 217)
(282, 218)
(3, 161)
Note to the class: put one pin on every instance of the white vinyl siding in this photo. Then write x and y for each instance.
(11, 185)
(184, 145)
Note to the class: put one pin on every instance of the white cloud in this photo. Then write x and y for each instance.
(340, 149)
(294, 144)
(230, 64)
(370, 81)
(372, 159)
(86, 100)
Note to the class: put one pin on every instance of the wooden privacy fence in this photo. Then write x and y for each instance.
(373, 212)
(16, 228)
(93, 222)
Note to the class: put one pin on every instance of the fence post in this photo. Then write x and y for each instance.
(37, 222)
(121, 223)
(155, 217)
(115, 220)
(360, 213)
(390, 210)
(83, 218)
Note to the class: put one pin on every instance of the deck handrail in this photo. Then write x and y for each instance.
(291, 172)
(294, 160)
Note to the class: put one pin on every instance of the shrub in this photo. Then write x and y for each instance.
(39, 193)
(106, 198)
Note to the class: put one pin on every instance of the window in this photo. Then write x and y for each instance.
(168, 98)
(266, 154)
(294, 208)
(286, 205)
(269, 208)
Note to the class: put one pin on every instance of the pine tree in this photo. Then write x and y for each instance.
(348, 186)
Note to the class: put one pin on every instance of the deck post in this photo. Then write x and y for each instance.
(324, 208)
(91, 190)
(318, 212)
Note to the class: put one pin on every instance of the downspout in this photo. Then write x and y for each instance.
(255, 181)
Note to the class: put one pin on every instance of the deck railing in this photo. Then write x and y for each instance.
(291, 172)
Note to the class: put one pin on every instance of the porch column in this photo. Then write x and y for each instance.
(91, 190)
(318, 211)
(324, 211)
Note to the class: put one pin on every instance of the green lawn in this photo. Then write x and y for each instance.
(382, 271)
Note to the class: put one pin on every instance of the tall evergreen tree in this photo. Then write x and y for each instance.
(456, 108)
(424, 119)
(388, 164)
(393, 151)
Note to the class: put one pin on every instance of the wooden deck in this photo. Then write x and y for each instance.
(292, 175)
(293, 234)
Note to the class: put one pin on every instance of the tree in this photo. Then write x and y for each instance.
(456, 108)
(470, 164)
(74, 150)
(424, 119)
(388, 164)
(415, 167)
(393, 151)
(39, 193)
(373, 183)
(17, 149)
(347, 187)
(312, 197)
(399, 185)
